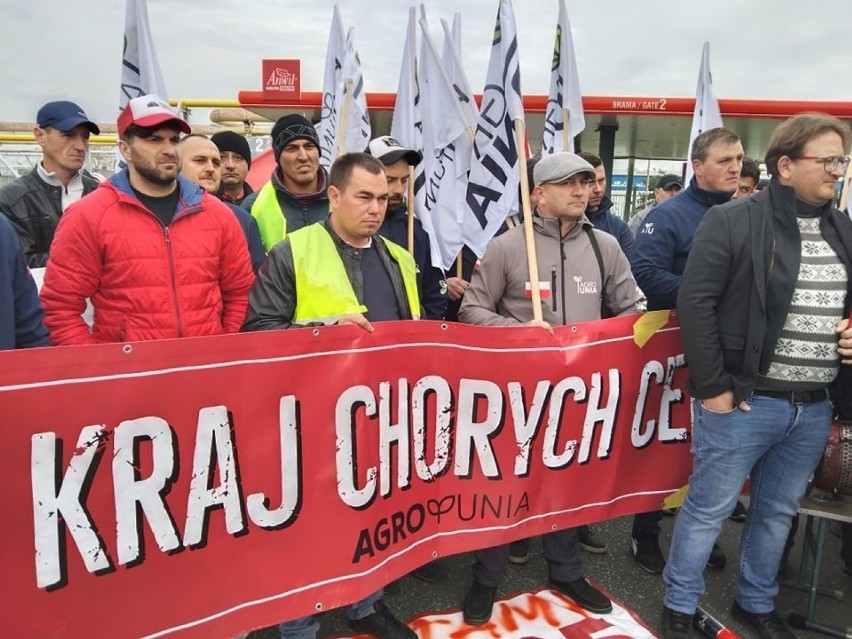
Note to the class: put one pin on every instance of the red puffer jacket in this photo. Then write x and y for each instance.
(146, 281)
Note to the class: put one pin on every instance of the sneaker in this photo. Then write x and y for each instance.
(739, 513)
(478, 604)
(590, 541)
(675, 625)
(519, 551)
(382, 624)
(431, 573)
(767, 625)
(717, 558)
(647, 553)
(583, 594)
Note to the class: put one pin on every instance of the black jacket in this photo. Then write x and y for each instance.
(430, 280)
(738, 285)
(34, 207)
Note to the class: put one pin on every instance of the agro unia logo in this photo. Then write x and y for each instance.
(281, 80)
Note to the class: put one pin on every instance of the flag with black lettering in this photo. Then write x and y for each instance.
(140, 69)
(492, 190)
(707, 114)
(447, 149)
(343, 95)
(564, 92)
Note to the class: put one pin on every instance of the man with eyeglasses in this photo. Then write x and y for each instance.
(762, 305)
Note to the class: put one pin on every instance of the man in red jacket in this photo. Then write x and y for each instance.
(157, 255)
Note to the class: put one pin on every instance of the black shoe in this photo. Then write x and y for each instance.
(583, 594)
(739, 513)
(717, 558)
(768, 625)
(519, 551)
(847, 567)
(478, 604)
(590, 542)
(675, 625)
(646, 552)
(431, 573)
(383, 624)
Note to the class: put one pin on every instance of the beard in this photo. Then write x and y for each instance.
(394, 202)
(156, 176)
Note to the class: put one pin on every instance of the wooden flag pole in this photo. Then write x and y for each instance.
(566, 130)
(411, 209)
(459, 270)
(344, 118)
(532, 261)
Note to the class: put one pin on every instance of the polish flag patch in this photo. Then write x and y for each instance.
(543, 287)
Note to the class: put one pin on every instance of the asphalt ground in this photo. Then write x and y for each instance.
(618, 574)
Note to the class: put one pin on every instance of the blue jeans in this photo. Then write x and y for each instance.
(306, 627)
(779, 444)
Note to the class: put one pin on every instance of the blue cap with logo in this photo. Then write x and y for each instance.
(64, 115)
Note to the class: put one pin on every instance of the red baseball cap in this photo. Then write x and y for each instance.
(149, 111)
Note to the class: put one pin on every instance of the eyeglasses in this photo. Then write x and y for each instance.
(830, 163)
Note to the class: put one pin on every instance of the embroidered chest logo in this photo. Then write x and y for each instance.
(585, 287)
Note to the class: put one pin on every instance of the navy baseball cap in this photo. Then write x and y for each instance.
(64, 115)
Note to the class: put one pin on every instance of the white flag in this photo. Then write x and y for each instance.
(353, 101)
(406, 126)
(492, 190)
(451, 59)
(564, 91)
(327, 127)
(442, 192)
(140, 70)
(707, 114)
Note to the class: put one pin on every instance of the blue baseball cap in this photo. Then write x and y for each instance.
(64, 115)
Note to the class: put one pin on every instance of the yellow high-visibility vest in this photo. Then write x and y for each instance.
(323, 291)
(270, 218)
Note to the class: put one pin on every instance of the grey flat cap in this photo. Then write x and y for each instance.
(558, 167)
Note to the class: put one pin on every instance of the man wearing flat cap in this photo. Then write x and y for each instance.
(431, 281)
(235, 154)
(295, 195)
(34, 202)
(580, 270)
(668, 186)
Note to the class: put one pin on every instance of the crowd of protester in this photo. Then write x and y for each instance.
(178, 244)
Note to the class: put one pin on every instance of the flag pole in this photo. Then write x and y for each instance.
(532, 260)
(344, 117)
(411, 209)
(566, 129)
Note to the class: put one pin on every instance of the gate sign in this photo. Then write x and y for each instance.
(282, 80)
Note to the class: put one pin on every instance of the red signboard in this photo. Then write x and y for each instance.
(204, 487)
(282, 79)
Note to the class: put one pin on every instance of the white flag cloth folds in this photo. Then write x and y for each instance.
(342, 70)
(448, 149)
(406, 126)
(140, 70)
(707, 114)
(564, 91)
(492, 190)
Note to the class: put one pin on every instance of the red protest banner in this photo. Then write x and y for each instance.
(200, 487)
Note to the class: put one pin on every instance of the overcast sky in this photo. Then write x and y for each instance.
(783, 49)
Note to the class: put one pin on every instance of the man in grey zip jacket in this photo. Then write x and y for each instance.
(575, 286)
